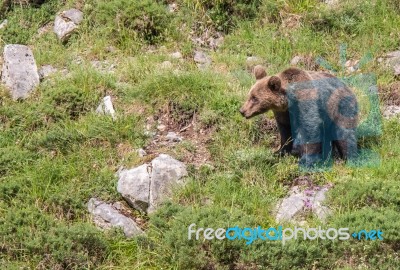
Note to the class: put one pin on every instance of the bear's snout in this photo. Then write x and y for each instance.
(241, 111)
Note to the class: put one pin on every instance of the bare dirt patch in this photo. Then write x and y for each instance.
(390, 95)
(192, 148)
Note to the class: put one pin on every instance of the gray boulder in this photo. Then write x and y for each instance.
(66, 23)
(134, 186)
(20, 73)
(106, 216)
(165, 175)
(148, 185)
(74, 15)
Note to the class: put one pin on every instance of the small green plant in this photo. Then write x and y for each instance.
(123, 20)
(223, 15)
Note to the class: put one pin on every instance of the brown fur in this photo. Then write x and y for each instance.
(269, 92)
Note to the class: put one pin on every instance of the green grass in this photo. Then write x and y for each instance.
(56, 152)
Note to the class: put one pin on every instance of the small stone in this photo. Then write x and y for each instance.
(290, 206)
(161, 127)
(142, 152)
(63, 29)
(253, 60)
(173, 7)
(3, 24)
(391, 111)
(396, 69)
(173, 137)
(331, 3)
(176, 55)
(296, 60)
(110, 49)
(351, 65)
(106, 107)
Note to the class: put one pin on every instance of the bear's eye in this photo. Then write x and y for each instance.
(254, 99)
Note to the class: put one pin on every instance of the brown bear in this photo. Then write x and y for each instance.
(314, 111)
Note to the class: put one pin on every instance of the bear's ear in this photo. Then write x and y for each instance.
(259, 72)
(274, 83)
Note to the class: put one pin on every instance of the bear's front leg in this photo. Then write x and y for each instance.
(285, 131)
(286, 140)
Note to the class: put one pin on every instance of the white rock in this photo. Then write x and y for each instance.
(176, 55)
(142, 152)
(161, 127)
(106, 216)
(106, 107)
(253, 60)
(172, 7)
(20, 73)
(297, 59)
(173, 137)
(331, 2)
(391, 111)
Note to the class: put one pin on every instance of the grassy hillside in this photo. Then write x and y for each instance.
(56, 152)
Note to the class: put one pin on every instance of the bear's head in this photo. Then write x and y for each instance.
(266, 94)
